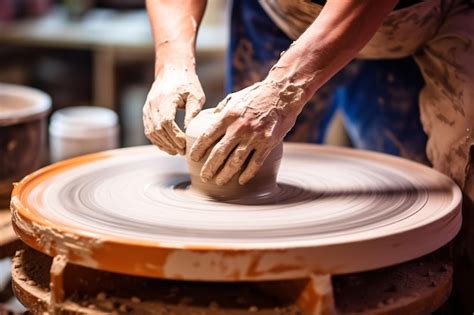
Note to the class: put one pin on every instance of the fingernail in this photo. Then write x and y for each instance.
(244, 180)
(205, 174)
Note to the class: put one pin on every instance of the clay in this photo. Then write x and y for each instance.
(262, 185)
(249, 125)
(337, 211)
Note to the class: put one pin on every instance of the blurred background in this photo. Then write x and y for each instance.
(99, 53)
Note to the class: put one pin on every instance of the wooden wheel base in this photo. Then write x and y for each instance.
(417, 287)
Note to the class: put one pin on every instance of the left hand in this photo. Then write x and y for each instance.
(174, 87)
(251, 122)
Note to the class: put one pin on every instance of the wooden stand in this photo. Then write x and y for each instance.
(44, 284)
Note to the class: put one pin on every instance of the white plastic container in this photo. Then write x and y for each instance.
(80, 130)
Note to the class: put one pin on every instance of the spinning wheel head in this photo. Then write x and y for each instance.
(336, 211)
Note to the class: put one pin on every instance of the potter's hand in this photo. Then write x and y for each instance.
(173, 88)
(251, 123)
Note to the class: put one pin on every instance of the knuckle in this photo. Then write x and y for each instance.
(219, 150)
(244, 125)
(240, 152)
(234, 162)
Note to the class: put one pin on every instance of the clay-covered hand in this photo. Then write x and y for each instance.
(173, 88)
(250, 124)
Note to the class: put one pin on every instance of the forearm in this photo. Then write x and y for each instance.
(333, 39)
(174, 27)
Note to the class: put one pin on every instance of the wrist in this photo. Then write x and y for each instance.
(292, 77)
(177, 56)
(286, 97)
(298, 67)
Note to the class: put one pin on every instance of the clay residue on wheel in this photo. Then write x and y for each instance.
(90, 291)
(52, 241)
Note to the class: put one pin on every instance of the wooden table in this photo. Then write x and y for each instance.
(112, 36)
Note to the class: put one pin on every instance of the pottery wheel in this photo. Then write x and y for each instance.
(337, 211)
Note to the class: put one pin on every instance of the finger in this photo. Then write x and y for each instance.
(175, 135)
(254, 165)
(149, 128)
(154, 136)
(233, 164)
(166, 138)
(209, 137)
(217, 157)
(156, 140)
(193, 107)
(164, 125)
(167, 115)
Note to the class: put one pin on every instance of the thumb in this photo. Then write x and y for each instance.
(193, 107)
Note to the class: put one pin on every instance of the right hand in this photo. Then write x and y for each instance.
(173, 88)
